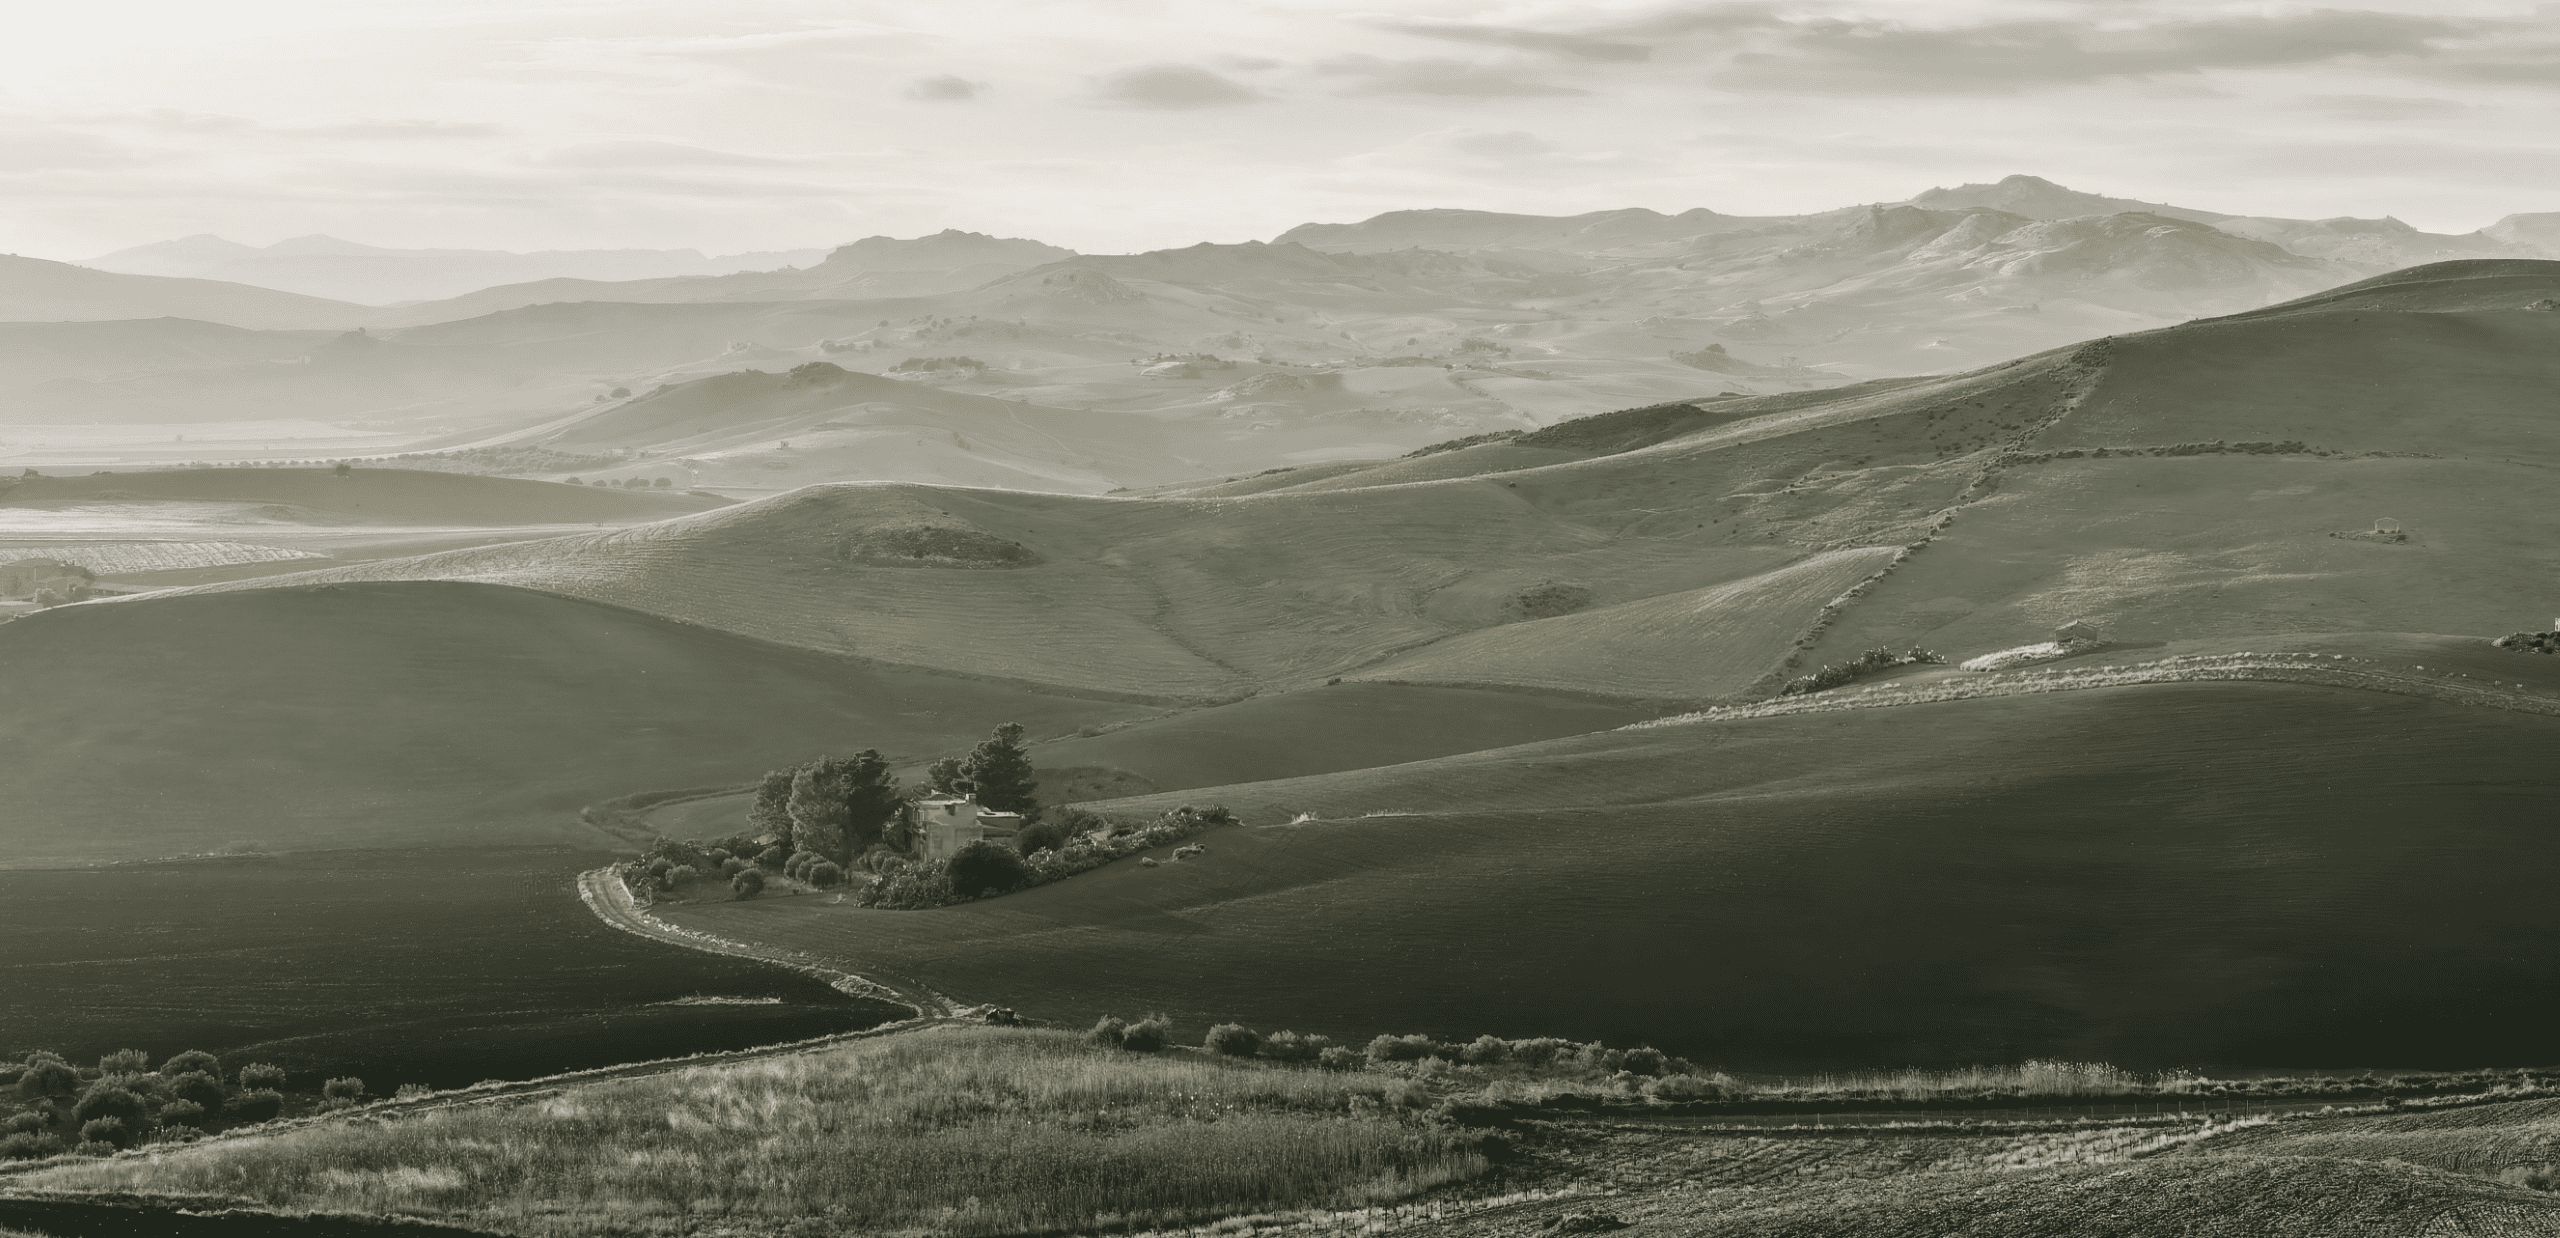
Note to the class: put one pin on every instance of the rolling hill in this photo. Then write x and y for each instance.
(325, 266)
(421, 715)
(34, 290)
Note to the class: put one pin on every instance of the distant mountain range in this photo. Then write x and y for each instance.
(324, 266)
(1331, 342)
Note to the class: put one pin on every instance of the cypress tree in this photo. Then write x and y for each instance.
(1000, 772)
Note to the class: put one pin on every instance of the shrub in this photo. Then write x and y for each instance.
(25, 1123)
(1402, 1048)
(348, 1088)
(719, 855)
(261, 1105)
(1485, 1051)
(1232, 1040)
(93, 1148)
(412, 1091)
(1107, 1032)
(1147, 1035)
(1538, 1051)
(1292, 1047)
(798, 866)
(1685, 1087)
(1644, 1061)
(1042, 836)
(258, 1076)
(176, 1134)
(182, 1113)
(124, 1062)
(48, 1078)
(110, 1131)
(106, 1100)
(29, 1146)
(772, 857)
(679, 874)
(193, 1060)
(196, 1086)
(732, 866)
(825, 875)
(1340, 1057)
(748, 882)
(983, 867)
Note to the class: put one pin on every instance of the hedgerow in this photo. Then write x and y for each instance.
(1868, 663)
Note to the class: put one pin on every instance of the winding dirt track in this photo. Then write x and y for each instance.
(611, 901)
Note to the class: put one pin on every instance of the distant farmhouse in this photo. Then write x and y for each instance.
(946, 823)
(47, 582)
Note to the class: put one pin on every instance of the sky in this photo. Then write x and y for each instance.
(736, 125)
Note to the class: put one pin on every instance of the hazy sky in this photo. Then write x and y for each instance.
(759, 124)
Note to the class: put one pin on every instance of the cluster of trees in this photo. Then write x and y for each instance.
(813, 823)
(1832, 675)
(123, 1102)
(848, 809)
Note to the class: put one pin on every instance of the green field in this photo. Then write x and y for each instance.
(2193, 873)
(421, 714)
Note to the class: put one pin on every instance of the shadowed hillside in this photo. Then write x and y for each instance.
(2164, 875)
(402, 715)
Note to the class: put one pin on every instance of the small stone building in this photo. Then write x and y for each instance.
(946, 823)
(2078, 632)
(2386, 526)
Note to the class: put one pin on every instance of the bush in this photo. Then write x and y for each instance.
(48, 1078)
(110, 1131)
(412, 1091)
(1292, 1047)
(825, 875)
(176, 1134)
(1539, 1051)
(193, 1060)
(732, 866)
(182, 1113)
(1340, 1057)
(124, 1062)
(1232, 1040)
(772, 857)
(258, 1076)
(106, 1100)
(983, 867)
(25, 1123)
(1644, 1061)
(261, 1105)
(798, 866)
(197, 1086)
(1404, 1048)
(29, 1146)
(1147, 1035)
(1485, 1051)
(679, 874)
(1685, 1087)
(748, 883)
(719, 855)
(1107, 1032)
(348, 1088)
(1039, 837)
(93, 1148)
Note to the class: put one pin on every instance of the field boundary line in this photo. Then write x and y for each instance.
(611, 901)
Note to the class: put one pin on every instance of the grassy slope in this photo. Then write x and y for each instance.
(1036, 1131)
(2486, 1141)
(419, 714)
(2186, 873)
(403, 496)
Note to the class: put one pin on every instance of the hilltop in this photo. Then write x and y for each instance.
(325, 266)
(34, 290)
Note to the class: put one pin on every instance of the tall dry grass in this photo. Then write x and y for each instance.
(975, 1132)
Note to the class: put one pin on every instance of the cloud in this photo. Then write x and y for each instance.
(647, 155)
(1173, 86)
(400, 130)
(1449, 78)
(1570, 46)
(944, 88)
(1874, 56)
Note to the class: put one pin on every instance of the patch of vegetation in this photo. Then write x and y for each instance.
(1833, 675)
(916, 886)
(508, 461)
(964, 1133)
(48, 1106)
(928, 365)
(1547, 600)
(2530, 642)
(935, 546)
(1455, 444)
(1628, 428)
